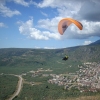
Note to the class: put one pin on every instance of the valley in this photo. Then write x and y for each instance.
(43, 75)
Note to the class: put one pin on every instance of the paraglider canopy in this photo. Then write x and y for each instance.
(65, 22)
(65, 58)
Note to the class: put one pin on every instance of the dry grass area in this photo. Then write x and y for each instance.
(32, 83)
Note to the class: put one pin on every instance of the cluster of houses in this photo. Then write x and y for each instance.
(89, 76)
(86, 79)
(40, 72)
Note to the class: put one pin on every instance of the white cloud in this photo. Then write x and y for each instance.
(37, 47)
(87, 42)
(27, 28)
(7, 12)
(90, 10)
(45, 3)
(44, 47)
(49, 48)
(58, 3)
(23, 2)
(46, 15)
(2, 1)
(49, 24)
(65, 8)
(90, 27)
(2, 24)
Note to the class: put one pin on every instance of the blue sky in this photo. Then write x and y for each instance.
(34, 23)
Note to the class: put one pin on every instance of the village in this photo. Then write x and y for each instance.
(86, 79)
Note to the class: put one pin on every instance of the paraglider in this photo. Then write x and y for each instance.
(65, 22)
(65, 58)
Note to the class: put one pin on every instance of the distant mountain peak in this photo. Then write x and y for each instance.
(96, 42)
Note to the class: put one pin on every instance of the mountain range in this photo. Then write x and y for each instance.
(26, 56)
(95, 43)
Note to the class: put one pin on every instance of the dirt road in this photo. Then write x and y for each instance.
(19, 86)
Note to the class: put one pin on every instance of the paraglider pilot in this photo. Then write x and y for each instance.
(65, 58)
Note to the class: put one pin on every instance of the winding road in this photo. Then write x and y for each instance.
(19, 87)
